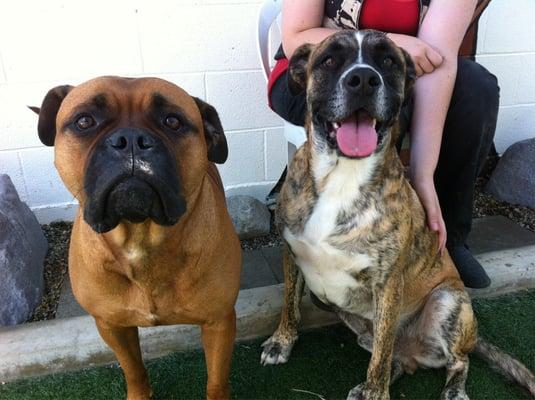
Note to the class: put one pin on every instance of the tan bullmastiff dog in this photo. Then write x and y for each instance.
(355, 231)
(152, 243)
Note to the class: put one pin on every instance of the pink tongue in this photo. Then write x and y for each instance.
(356, 136)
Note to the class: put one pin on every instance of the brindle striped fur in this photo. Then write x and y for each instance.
(403, 298)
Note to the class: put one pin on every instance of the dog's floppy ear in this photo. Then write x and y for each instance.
(46, 127)
(297, 70)
(410, 76)
(216, 142)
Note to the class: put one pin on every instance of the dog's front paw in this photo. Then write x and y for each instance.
(365, 392)
(277, 349)
(454, 393)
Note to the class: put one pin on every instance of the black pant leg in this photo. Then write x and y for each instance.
(289, 107)
(468, 135)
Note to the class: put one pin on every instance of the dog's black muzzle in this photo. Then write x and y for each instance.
(131, 175)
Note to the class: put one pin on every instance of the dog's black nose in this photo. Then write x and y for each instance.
(362, 80)
(133, 140)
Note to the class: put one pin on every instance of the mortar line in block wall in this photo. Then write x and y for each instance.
(9, 150)
(520, 105)
(516, 86)
(484, 54)
(485, 31)
(265, 156)
(205, 87)
(26, 192)
(206, 91)
(232, 71)
(138, 33)
(251, 130)
(4, 73)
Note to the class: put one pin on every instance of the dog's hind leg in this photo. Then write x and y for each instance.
(277, 349)
(457, 371)
(459, 331)
(447, 331)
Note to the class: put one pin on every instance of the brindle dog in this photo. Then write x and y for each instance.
(355, 230)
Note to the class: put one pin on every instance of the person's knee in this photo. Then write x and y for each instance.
(476, 87)
(476, 101)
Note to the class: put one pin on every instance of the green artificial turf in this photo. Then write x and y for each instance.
(325, 361)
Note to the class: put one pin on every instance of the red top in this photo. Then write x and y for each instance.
(395, 16)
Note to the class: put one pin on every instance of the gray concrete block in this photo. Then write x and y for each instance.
(255, 271)
(273, 256)
(23, 249)
(68, 307)
(498, 233)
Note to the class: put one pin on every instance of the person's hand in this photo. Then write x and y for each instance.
(426, 59)
(425, 188)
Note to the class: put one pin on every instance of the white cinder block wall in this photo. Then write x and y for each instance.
(208, 48)
(506, 47)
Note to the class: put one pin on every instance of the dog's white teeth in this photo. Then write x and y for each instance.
(374, 122)
(336, 125)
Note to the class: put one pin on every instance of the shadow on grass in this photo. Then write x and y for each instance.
(325, 361)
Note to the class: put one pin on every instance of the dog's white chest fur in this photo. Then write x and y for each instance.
(329, 271)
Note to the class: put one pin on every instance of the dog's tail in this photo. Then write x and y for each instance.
(505, 364)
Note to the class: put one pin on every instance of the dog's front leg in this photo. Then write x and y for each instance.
(125, 344)
(277, 349)
(388, 300)
(218, 342)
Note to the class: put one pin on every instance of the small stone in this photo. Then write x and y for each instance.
(513, 180)
(251, 217)
(22, 252)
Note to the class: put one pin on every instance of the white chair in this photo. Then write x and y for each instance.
(267, 16)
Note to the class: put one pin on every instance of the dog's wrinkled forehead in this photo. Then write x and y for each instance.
(113, 95)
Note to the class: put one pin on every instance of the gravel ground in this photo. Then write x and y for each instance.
(58, 235)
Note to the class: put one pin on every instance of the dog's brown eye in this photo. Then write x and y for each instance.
(172, 122)
(85, 122)
(388, 62)
(328, 61)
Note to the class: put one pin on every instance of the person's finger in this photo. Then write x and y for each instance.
(434, 57)
(434, 217)
(426, 65)
(436, 223)
(419, 71)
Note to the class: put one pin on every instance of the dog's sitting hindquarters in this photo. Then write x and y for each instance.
(355, 231)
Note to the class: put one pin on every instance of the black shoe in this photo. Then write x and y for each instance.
(472, 273)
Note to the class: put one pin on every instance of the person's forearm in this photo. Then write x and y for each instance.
(432, 95)
(444, 27)
(291, 42)
(302, 23)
